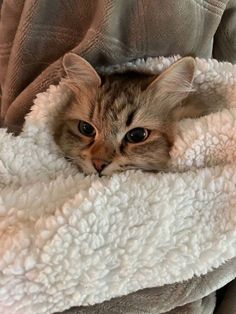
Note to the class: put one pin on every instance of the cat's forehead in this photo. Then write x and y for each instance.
(117, 91)
(112, 108)
(116, 98)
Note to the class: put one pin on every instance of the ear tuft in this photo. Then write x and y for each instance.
(79, 70)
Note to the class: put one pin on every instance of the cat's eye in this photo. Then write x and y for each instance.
(86, 129)
(136, 135)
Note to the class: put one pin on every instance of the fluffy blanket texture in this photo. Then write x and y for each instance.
(67, 239)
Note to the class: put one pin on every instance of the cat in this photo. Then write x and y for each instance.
(120, 122)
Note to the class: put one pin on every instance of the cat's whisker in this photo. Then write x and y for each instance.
(72, 160)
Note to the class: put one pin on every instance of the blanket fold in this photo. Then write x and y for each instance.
(70, 240)
(184, 297)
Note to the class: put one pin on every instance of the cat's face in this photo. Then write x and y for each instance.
(121, 124)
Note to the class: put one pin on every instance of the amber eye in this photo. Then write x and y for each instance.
(86, 129)
(137, 135)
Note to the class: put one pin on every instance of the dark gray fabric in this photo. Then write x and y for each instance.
(189, 297)
(205, 305)
(34, 34)
(228, 305)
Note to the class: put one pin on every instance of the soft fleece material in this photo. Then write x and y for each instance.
(67, 239)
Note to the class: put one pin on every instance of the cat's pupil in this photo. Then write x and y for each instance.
(86, 129)
(136, 135)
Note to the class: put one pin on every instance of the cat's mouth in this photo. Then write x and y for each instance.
(89, 169)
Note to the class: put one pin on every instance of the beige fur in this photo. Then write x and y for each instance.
(119, 104)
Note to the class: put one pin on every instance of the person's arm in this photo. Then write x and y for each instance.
(225, 37)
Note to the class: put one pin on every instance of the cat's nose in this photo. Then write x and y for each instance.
(99, 164)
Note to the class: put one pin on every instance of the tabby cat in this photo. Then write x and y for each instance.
(119, 122)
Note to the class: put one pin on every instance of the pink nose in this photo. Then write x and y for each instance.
(99, 164)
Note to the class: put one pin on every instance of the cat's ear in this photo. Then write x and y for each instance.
(174, 84)
(79, 70)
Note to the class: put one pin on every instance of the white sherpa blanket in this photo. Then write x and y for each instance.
(67, 240)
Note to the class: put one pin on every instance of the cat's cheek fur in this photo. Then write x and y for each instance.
(112, 168)
(87, 167)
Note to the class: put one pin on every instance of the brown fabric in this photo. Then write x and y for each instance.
(34, 34)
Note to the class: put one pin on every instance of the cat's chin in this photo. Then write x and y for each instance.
(119, 171)
(110, 170)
